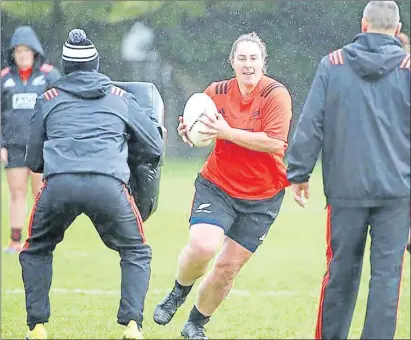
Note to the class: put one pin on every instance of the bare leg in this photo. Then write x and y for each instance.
(202, 246)
(204, 242)
(17, 179)
(219, 281)
(36, 183)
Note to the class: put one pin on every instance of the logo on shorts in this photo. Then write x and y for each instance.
(263, 237)
(202, 208)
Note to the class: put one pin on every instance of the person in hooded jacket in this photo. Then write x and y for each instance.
(358, 113)
(79, 137)
(26, 77)
(405, 40)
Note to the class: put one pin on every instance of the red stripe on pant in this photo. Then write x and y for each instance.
(402, 267)
(136, 213)
(326, 279)
(33, 211)
(409, 232)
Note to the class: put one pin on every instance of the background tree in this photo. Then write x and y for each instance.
(194, 38)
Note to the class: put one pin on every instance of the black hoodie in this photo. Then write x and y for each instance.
(373, 56)
(358, 113)
(84, 124)
(18, 98)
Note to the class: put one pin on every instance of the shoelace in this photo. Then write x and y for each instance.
(200, 331)
(171, 300)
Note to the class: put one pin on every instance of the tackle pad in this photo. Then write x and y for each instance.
(144, 180)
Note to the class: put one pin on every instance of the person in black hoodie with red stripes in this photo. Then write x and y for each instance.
(358, 114)
(26, 77)
(80, 138)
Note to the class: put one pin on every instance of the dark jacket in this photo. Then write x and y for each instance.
(18, 98)
(358, 113)
(84, 124)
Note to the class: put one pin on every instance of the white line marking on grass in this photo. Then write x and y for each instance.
(239, 292)
(100, 292)
(76, 253)
(278, 293)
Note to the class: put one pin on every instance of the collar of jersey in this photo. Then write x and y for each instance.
(250, 96)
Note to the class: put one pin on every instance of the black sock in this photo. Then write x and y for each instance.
(16, 234)
(184, 289)
(197, 317)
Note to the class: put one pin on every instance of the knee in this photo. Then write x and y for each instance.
(17, 195)
(201, 250)
(141, 254)
(226, 271)
(36, 252)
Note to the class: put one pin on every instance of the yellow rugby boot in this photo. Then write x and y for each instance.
(132, 331)
(38, 332)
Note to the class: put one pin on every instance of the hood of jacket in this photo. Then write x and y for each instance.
(374, 55)
(25, 35)
(84, 84)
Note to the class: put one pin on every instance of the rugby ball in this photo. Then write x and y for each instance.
(197, 105)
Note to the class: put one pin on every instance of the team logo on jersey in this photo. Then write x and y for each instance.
(9, 83)
(40, 80)
(24, 101)
(256, 114)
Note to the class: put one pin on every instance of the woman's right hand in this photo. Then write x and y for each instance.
(4, 156)
(182, 131)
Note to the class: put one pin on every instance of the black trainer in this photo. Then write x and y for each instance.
(193, 330)
(165, 310)
(409, 247)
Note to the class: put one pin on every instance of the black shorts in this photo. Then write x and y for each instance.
(16, 156)
(245, 221)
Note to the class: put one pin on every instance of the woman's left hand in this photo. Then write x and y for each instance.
(217, 127)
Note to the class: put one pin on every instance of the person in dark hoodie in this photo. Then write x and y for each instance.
(358, 113)
(26, 77)
(79, 137)
(405, 41)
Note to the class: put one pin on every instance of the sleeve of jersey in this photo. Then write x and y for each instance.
(276, 117)
(210, 90)
(36, 137)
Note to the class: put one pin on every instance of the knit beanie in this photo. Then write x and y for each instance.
(79, 53)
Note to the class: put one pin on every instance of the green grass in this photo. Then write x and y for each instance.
(290, 264)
